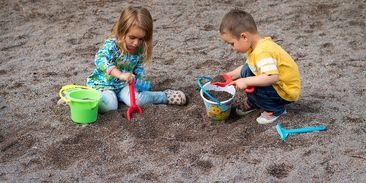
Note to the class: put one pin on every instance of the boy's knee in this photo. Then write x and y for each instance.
(245, 71)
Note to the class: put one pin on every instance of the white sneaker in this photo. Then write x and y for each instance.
(266, 118)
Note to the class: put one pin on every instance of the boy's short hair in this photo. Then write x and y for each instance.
(236, 22)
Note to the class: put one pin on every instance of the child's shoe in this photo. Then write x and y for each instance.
(175, 97)
(244, 109)
(268, 117)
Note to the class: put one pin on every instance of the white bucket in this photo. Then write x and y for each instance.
(215, 110)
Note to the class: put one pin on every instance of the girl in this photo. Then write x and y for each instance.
(121, 60)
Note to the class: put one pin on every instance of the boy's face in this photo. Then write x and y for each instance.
(241, 45)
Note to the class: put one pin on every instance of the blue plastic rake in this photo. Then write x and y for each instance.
(285, 132)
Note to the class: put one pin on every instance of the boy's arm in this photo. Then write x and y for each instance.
(261, 80)
(267, 66)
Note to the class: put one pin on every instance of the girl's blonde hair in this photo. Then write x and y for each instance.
(134, 16)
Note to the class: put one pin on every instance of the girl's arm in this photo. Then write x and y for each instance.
(122, 76)
(104, 61)
(139, 70)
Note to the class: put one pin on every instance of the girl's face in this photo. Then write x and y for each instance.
(134, 38)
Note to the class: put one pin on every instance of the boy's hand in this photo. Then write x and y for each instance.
(128, 77)
(240, 84)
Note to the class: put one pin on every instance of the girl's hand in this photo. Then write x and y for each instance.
(240, 84)
(128, 77)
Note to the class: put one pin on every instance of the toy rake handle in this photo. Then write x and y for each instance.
(307, 129)
(132, 93)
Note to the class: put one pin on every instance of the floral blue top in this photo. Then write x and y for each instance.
(108, 58)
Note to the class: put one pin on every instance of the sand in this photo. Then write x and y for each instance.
(47, 44)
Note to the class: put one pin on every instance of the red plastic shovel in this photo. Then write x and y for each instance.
(223, 84)
(133, 107)
(228, 80)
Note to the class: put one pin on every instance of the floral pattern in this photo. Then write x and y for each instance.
(109, 57)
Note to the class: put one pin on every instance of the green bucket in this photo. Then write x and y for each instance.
(83, 103)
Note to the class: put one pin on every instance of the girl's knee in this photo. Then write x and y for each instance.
(124, 96)
(108, 102)
(142, 98)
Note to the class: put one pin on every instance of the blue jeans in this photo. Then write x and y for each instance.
(265, 98)
(109, 100)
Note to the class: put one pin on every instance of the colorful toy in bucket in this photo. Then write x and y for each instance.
(83, 102)
(216, 110)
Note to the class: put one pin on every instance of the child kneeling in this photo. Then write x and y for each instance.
(268, 68)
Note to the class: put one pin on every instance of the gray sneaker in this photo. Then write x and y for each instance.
(240, 112)
(244, 109)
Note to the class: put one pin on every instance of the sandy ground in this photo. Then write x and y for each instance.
(47, 44)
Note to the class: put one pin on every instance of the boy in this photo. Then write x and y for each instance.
(269, 68)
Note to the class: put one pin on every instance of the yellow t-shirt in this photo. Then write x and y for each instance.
(269, 58)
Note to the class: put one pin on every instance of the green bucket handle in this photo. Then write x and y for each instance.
(71, 87)
(199, 78)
